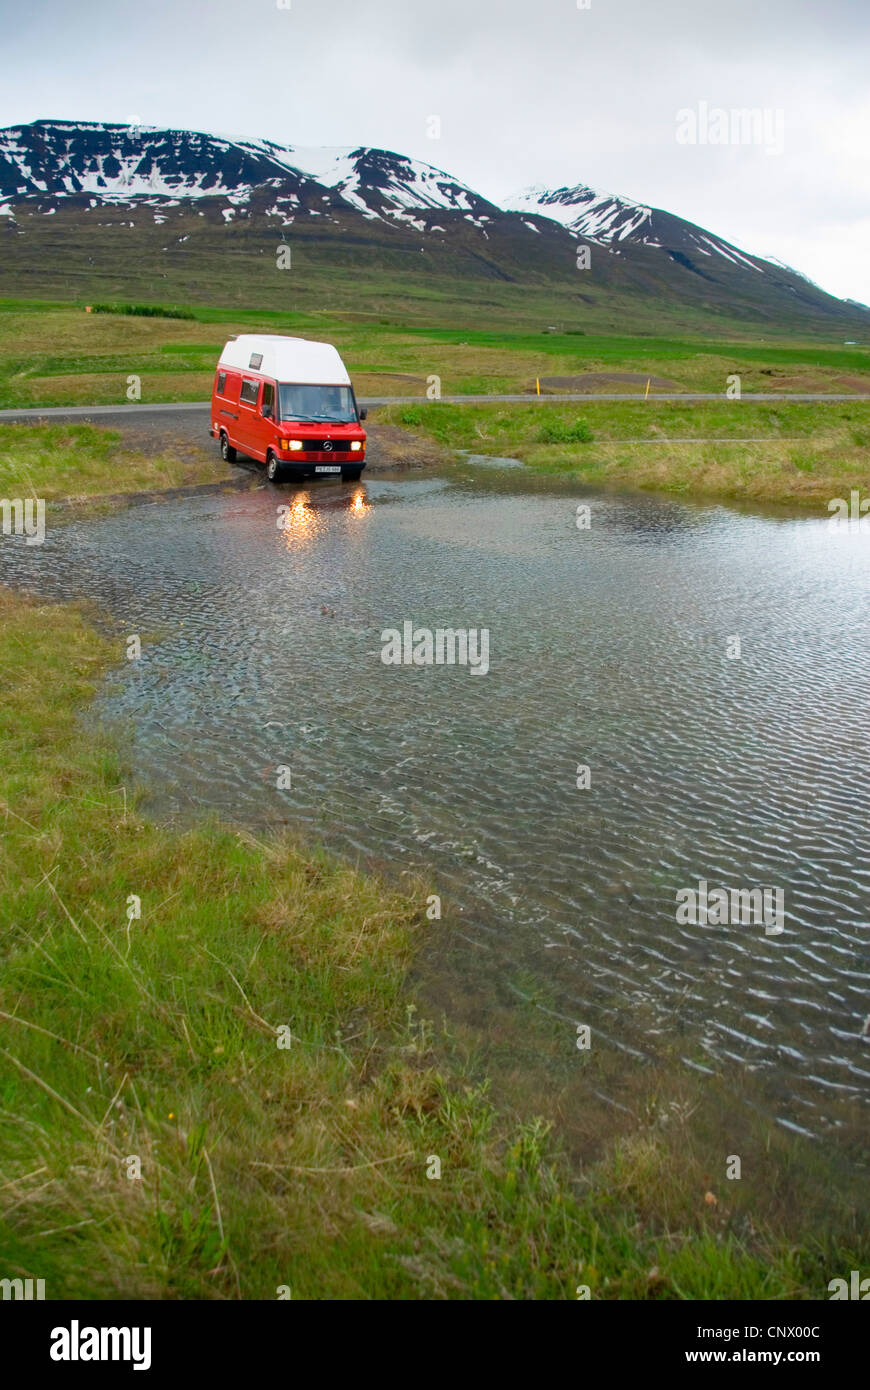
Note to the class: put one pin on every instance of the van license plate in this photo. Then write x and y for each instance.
(327, 468)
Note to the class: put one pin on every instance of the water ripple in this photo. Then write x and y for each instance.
(609, 648)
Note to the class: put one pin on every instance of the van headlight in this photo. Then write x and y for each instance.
(356, 444)
(294, 444)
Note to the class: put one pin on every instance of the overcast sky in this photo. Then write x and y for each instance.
(527, 91)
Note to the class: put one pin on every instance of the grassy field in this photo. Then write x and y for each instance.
(60, 355)
(749, 450)
(159, 1141)
(794, 453)
(83, 462)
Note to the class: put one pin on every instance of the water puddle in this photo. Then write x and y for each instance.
(488, 460)
(608, 651)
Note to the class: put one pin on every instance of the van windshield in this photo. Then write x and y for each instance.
(328, 403)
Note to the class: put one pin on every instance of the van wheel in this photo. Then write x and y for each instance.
(350, 475)
(273, 468)
(228, 453)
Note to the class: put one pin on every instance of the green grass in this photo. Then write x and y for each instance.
(636, 351)
(53, 354)
(799, 453)
(155, 1040)
(80, 462)
(562, 431)
(154, 311)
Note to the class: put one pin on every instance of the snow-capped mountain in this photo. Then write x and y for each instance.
(363, 208)
(383, 184)
(611, 220)
(596, 216)
(118, 163)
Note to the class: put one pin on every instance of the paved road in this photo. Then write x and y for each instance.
(167, 410)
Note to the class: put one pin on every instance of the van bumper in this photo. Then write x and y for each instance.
(320, 468)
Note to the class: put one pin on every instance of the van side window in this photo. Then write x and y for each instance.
(268, 398)
(221, 383)
(250, 391)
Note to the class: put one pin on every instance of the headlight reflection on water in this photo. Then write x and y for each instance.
(301, 521)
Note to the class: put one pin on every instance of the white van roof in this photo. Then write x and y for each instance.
(286, 359)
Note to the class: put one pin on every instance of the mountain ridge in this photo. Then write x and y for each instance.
(384, 207)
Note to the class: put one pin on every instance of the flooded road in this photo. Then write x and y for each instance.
(612, 649)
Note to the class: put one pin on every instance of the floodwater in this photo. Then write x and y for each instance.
(609, 650)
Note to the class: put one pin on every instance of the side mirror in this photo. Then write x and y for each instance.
(363, 414)
(266, 412)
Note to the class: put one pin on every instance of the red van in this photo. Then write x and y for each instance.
(288, 402)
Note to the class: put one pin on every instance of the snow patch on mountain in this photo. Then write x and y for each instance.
(609, 220)
(591, 214)
(380, 184)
